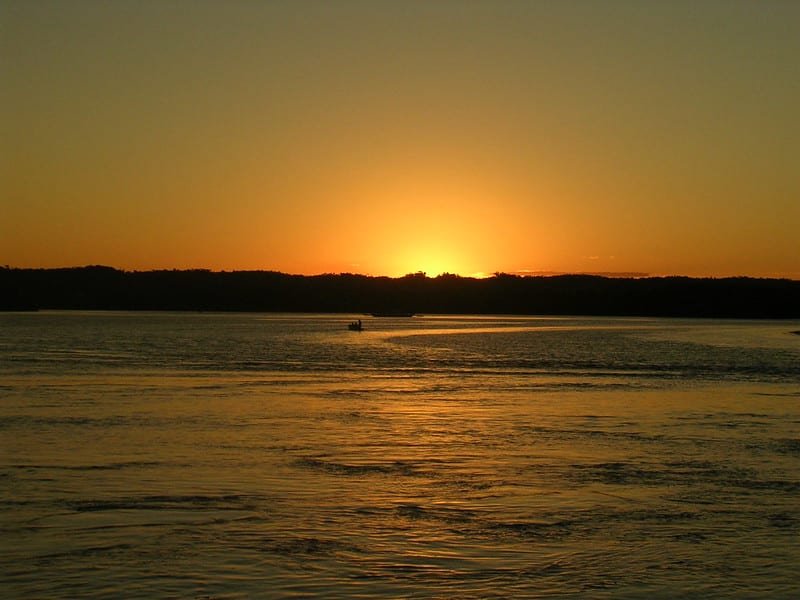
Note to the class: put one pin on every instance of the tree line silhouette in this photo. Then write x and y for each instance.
(107, 288)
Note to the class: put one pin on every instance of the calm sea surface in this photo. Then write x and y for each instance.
(276, 456)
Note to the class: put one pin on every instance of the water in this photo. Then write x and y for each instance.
(278, 456)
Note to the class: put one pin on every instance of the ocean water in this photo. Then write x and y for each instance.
(168, 455)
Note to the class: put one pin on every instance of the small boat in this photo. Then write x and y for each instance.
(393, 313)
(355, 326)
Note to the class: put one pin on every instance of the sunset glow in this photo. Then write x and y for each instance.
(386, 139)
(400, 299)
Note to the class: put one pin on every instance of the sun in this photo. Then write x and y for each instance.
(431, 258)
(433, 229)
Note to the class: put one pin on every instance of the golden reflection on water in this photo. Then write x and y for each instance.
(398, 483)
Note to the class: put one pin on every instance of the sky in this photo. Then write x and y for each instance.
(387, 138)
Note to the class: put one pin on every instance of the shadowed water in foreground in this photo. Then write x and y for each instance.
(235, 456)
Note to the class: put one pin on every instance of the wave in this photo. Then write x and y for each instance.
(95, 467)
(338, 468)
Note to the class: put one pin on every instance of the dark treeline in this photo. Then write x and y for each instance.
(99, 287)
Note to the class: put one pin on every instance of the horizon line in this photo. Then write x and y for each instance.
(480, 275)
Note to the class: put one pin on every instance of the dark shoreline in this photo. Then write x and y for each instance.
(106, 288)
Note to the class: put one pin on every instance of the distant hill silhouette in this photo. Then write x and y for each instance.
(100, 287)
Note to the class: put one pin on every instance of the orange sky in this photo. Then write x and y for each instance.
(387, 138)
